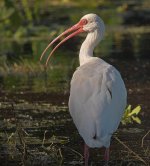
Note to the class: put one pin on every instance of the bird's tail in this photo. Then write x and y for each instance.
(97, 141)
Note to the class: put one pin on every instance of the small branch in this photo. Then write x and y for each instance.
(130, 150)
(60, 153)
(74, 151)
(8, 138)
(25, 131)
(44, 138)
(142, 144)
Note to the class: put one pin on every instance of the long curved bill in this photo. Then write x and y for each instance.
(76, 29)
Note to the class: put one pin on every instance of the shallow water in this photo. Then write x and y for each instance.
(39, 103)
(38, 113)
(35, 125)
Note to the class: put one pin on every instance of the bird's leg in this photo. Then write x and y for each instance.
(106, 156)
(86, 154)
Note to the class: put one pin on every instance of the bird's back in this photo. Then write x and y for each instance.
(97, 101)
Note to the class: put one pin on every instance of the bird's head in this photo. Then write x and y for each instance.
(92, 22)
(88, 23)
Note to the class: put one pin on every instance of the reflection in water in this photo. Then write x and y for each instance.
(144, 45)
(123, 46)
(130, 46)
(31, 76)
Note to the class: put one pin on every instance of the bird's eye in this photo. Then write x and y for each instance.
(84, 21)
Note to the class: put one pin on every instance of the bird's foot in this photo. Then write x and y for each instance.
(86, 154)
(106, 157)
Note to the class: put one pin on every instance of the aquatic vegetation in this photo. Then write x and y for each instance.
(39, 129)
(29, 137)
(131, 115)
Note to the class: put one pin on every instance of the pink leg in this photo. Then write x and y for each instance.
(106, 157)
(86, 154)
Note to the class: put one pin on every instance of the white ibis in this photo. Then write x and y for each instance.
(98, 95)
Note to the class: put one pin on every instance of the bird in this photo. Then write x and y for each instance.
(98, 95)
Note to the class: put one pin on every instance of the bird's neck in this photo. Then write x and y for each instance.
(87, 48)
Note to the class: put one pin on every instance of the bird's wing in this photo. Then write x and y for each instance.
(97, 101)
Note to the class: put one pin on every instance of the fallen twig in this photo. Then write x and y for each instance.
(44, 138)
(142, 144)
(130, 150)
(74, 151)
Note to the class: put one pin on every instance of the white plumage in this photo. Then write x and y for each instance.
(97, 101)
(98, 94)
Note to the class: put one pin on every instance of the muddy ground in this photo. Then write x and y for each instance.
(36, 128)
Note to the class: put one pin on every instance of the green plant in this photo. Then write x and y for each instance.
(131, 115)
